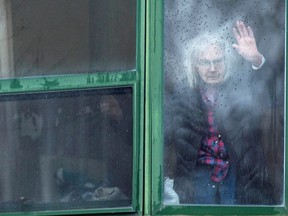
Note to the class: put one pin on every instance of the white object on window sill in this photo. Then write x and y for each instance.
(170, 196)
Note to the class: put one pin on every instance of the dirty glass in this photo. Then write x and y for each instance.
(224, 102)
(51, 37)
(67, 150)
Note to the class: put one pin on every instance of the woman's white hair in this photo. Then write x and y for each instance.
(199, 44)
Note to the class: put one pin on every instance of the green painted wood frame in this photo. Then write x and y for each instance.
(133, 78)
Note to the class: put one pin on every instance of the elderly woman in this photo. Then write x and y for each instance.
(215, 130)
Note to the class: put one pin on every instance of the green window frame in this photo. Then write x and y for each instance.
(154, 144)
(146, 81)
(133, 79)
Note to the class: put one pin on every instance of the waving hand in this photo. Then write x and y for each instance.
(246, 44)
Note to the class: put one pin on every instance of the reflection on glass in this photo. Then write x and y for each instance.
(224, 114)
(66, 150)
(50, 37)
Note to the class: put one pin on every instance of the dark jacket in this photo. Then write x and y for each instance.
(238, 121)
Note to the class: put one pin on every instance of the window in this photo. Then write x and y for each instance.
(71, 100)
(143, 107)
(216, 120)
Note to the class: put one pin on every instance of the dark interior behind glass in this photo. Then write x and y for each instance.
(66, 150)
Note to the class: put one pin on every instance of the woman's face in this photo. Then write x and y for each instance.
(211, 66)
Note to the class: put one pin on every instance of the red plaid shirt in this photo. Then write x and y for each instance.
(212, 151)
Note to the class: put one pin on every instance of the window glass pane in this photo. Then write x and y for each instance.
(66, 150)
(44, 37)
(224, 118)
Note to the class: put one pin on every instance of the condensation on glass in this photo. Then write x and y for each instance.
(223, 120)
(68, 150)
(51, 37)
